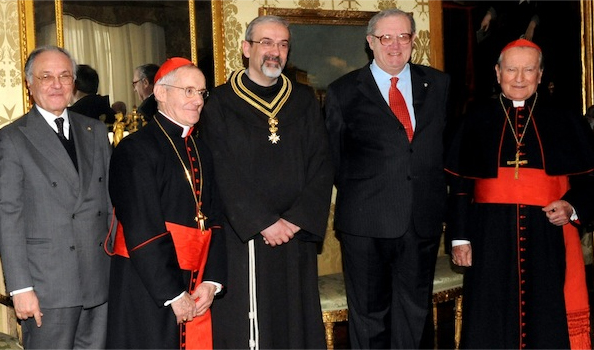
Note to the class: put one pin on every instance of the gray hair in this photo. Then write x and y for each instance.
(33, 55)
(147, 71)
(389, 13)
(265, 19)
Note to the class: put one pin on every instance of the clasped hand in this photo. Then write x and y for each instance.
(558, 212)
(280, 232)
(189, 306)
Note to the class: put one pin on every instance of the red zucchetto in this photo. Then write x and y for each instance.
(170, 65)
(521, 43)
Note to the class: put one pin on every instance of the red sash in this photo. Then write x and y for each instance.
(535, 187)
(191, 246)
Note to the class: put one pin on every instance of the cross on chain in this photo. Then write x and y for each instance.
(517, 162)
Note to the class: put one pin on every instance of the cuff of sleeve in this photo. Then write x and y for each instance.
(168, 302)
(22, 290)
(219, 287)
(574, 215)
(457, 242)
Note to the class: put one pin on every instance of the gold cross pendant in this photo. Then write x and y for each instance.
(201, 219)
(517, 163)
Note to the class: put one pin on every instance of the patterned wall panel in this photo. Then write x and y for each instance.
(11, 79)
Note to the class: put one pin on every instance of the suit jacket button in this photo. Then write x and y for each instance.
(72, 248)
(409, 178)
(99, 213)
(100, 179)
(74, 216)
(54, 184)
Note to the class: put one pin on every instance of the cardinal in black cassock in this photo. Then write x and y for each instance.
(168, 239)
(522, 185)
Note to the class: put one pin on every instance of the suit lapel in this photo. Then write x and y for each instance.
(368, 87)
(83, 141)
(46, 142)
(420, 86)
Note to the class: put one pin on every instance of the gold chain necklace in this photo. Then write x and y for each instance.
(198, 200)
(517, 162)
(269, 109)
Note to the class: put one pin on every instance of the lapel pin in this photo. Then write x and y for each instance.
(425, 84)
(88, 128)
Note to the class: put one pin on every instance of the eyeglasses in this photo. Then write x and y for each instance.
(64, 79)
(269, 44)
(388, 39)
(191, 91)
(136, 82)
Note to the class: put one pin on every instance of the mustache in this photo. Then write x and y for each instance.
(272, 58)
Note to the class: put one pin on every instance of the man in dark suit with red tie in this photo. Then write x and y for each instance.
(387, 140)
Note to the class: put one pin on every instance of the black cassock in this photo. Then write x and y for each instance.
(148, 187)
(514, 291)
(260, 182)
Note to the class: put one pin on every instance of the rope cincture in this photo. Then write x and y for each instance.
(254, 341)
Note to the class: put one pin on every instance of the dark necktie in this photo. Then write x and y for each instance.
(398, 106)
(60, 123)
(68, 144)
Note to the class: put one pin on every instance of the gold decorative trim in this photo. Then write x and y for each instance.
(218, 41)
(436, 59)
(59, 23)
(446, 295)
(317, 16)
(586, 7)
(193, 46)
(27, 30)
(335, 315)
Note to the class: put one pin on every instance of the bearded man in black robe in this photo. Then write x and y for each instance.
(521, 188)
(274, 172)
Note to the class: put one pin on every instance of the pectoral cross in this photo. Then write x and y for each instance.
(201, 220)
(517, 163)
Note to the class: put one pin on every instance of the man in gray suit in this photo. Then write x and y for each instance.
(55, 212)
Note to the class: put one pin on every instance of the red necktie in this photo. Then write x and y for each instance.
(398, 106)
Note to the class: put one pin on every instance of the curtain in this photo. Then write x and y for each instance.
(114, 52)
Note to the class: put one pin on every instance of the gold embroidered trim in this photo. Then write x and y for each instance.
(269, 109)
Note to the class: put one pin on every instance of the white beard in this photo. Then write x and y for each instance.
(271, 72)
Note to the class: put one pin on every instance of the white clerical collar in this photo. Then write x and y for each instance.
(186, 129)
(518, 103)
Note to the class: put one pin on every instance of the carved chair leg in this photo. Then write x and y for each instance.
(435, 342)
(458, 322)
(329, 326)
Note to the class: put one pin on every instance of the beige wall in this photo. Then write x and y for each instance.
(11, 79)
